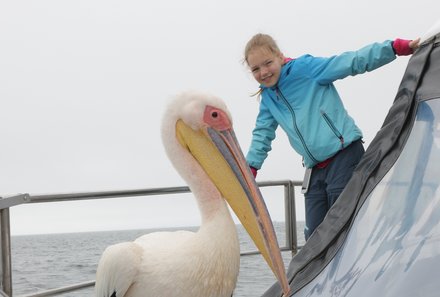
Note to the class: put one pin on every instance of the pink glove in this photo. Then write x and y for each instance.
(401, 47)
(254, 171)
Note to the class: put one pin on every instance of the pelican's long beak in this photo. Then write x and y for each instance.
(219, 154)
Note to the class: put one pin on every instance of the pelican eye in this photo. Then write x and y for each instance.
(214, 114)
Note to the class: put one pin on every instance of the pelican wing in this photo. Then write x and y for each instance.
(117, 269)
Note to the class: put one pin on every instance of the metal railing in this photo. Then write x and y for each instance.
(5, 231)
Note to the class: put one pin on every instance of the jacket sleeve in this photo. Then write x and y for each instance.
(368, 58)
(262, 136)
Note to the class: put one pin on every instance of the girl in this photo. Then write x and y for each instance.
(299, 95)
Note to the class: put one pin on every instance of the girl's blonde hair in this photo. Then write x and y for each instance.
(261, 40)
(264, 41)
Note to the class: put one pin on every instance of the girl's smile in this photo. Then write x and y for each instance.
(265, 66)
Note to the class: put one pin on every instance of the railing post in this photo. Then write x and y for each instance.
(290, 215)
(6, 267)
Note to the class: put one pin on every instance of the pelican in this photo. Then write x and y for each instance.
(199, 140)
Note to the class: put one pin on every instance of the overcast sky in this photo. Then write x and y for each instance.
(83, 85)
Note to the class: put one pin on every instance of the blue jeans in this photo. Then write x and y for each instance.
(327, 183)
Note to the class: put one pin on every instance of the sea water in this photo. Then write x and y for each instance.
(42, 262)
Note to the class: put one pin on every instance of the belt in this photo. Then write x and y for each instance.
(324, 163)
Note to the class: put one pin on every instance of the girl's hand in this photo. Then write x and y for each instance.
(414, 44)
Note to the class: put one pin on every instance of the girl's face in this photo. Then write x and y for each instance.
(265, 66)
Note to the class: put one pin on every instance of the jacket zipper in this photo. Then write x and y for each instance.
(301, 138)
(333, 128)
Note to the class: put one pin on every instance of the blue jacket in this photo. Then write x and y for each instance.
(307, 106)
